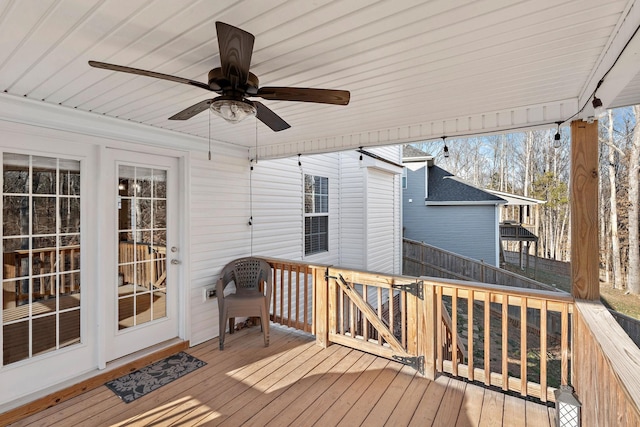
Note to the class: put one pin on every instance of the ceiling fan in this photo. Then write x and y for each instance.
(235, 83)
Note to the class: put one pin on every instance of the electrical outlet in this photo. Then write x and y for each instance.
(209, 292)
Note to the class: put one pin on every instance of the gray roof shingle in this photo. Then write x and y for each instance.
(444, 187)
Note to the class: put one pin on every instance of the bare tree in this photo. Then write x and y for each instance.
(616, 264)
(633, 276)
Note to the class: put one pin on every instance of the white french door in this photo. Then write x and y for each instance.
(142, 257)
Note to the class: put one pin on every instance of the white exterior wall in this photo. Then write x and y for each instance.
(381, 222)
(217, 198)
(352, 207)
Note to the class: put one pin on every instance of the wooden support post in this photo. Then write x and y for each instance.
(427, 325)
(321, 321)
(584, 210)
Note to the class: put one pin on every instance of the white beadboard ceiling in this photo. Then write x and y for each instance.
(415, 69)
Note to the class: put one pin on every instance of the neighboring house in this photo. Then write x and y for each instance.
(443, 211)
(106, 233)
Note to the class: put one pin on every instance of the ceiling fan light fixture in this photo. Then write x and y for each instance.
(232, 110)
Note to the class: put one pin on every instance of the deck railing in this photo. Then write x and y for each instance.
(292, 301)
(606, 368)
(513, 355)
(44, 262)
(424, 321)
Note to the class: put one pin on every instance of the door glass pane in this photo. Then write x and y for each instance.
(41, 252)
(141, 245)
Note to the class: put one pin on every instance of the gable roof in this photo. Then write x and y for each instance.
(446, 188)
(410, 152)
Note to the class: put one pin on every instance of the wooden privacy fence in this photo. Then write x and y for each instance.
(421, 259)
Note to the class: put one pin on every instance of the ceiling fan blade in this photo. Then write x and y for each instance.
(236, 48)
(323, 96)
(140, 72)
(269, 118)
(189, 112)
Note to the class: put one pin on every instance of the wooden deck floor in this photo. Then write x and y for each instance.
(294, 382)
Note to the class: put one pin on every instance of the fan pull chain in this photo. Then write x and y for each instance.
(209, 134)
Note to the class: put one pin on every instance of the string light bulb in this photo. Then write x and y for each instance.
(445, 150)
(556, 138)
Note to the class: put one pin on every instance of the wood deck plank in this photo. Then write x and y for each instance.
(513, 411)
(451, 407)
(237, 381)
(427, 409)
(334, 392)
(283, 403)
(492, 409)
(471, 409)
(409, 401)
(294, 382)
(310, 396)
(152, 407)
(342, 406)
(381, 413)
(262, 393)
(371, 398)
(536, 415)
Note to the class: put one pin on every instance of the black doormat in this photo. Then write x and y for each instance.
(136, 384)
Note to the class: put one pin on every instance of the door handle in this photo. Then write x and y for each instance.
(175, 262)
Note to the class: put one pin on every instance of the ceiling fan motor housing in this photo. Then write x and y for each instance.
(219, 83)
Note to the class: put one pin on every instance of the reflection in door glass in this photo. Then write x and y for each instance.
(142, 286)
(41, 252)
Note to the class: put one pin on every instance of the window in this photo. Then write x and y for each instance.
(404, 178)
(316, 214)
(41, 250)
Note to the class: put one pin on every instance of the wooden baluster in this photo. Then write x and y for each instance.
(505, 342)
(352, 319)
(439, 325)
(365, 322)
(73, 267)
(543, 350)
(391, 310)
(297, 301)
(487, 338)
(323, 305)
(379, 312)
(470, 322)
(341, 311)
(564, 345)
(305, 287)
(454, 331)
(523, 346)
(274, 292)
(403, 318)
(289, 295)
(334, 304)
(282, 271)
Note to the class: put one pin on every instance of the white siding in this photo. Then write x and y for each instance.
(352, 208)
(219, 215)
(225, 195)
(381, 222)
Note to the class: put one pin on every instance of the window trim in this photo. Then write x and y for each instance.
(317, 212)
